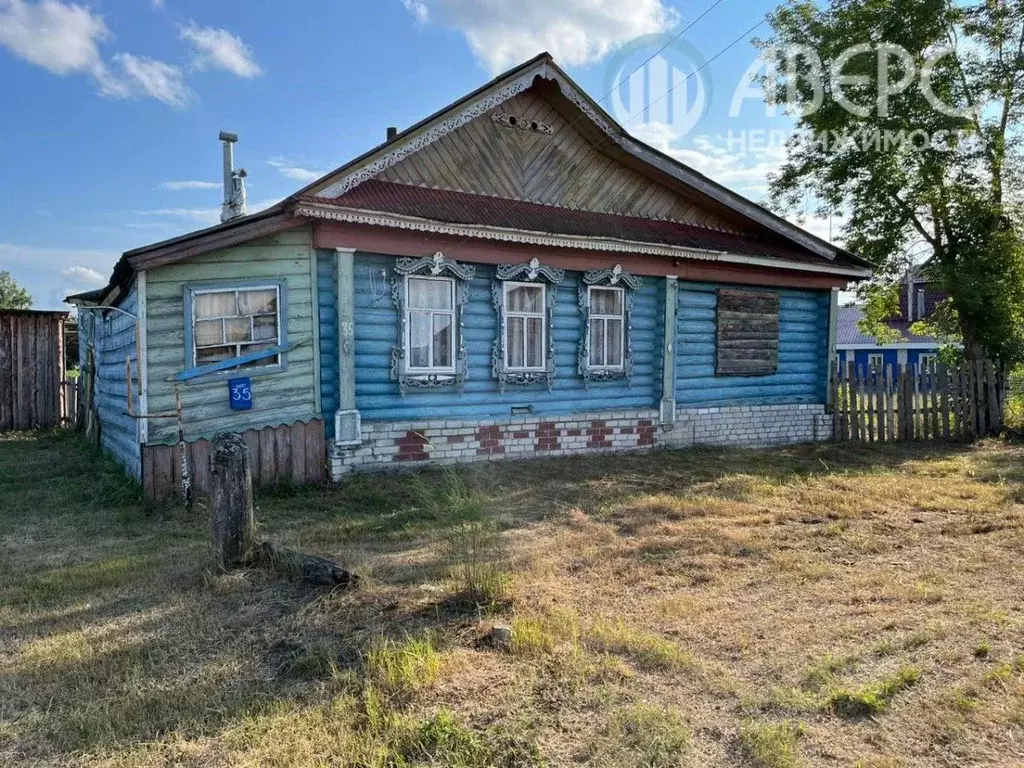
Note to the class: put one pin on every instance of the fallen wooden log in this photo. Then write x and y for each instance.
(309, 568)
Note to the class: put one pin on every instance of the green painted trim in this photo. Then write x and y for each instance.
(346, 329)
(833, 329)
(317, 405)
(668, 369)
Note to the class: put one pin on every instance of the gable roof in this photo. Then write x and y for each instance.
(365, 167)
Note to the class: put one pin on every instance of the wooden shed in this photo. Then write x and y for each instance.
(31, 369)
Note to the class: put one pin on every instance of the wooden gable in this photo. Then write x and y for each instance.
(526, 149)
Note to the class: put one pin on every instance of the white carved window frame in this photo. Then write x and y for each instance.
(436, 266)
(618, 278)
(541, 314)
(532, 273)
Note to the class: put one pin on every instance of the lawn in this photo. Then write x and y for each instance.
(829, 605)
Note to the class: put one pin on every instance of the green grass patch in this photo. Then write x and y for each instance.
(772, 745)
(655, 737)
(874, 698)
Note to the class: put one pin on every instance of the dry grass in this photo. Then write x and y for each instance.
(810, 606)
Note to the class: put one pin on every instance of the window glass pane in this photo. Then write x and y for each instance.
(237, 329)
(597, 342)
(430, 294)
(525, 298)
(262, 302)
(209, 332)
(419, 337)
(248, 349)
(614, 331)
(442, 341)
(514, 342)
(264, 328)
(534, 342)
(605, 301)
(214, 304)
(214, 354)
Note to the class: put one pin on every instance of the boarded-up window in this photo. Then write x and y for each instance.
(748, 333)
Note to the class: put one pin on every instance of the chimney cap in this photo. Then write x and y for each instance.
(225, 136)
(392, 132)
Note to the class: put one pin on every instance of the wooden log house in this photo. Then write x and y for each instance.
(513, 276)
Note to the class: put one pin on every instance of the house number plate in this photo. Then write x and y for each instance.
(241, 394)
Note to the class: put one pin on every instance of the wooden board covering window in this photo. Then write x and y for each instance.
(748, 333)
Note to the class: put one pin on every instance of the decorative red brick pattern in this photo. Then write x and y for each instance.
(490, 441)
(645, 433)
(599, 435)
(456, 438)
(412, 447)
(548, 437)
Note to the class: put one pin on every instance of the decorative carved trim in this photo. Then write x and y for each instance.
(615, 277)
(530, 271)
(437, 266)
(397, 221)
(522, 123)
(471, 112)
(533, 272)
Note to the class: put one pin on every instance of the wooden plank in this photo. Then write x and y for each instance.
(283, 440)
(201, 478)
(252, 440)
(902, 405)
(163, 483)
(268, 457)
(922, 395)
(994, 420)
(298, 447)
(869, 402)
(6, 375)
(963, 405)
(855, 403)
(316, 453)
(979, 398)
(942, 373)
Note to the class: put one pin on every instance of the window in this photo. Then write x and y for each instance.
(235, 322)
(926, 362)
(525, 331)
(876, 363)
(607, 323)
(431, 324)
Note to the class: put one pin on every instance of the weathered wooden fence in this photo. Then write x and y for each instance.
(31, 369)
(911, 402)
(70, 386)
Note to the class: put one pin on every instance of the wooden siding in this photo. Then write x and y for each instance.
(378, 398)
(31, 370)
(295, 454)
(562, 168)
(112, 337)
(803, 352)
(279, 398)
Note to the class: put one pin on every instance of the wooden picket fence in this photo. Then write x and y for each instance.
(916, 403)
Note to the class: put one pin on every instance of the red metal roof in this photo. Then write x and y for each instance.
(464, 208)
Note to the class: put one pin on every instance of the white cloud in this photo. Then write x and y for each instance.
(157, 4)
(502, 34)
(219, 49)
(178, 186)
(65, 39)
(158, 79)
(418, 9)
(291, 170)
(86, 275)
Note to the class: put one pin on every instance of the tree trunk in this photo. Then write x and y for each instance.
(231, 501)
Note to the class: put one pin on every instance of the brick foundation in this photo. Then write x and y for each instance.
(411, 444)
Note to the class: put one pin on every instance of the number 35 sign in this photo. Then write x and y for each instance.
(241, 394)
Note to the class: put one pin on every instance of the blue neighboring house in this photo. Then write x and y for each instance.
(512, 276)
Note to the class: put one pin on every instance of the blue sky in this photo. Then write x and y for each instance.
(109, 140)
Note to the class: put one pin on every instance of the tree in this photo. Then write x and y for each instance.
(909, 126)
(12, 295)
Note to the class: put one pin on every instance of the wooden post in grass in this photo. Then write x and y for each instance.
(231, 501)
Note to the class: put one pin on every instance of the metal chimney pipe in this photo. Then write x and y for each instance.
(392, 132)
(230, 207)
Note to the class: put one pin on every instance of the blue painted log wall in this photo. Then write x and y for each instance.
(378, 397)
(803, 352)
(801, 377)
(113, 337)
